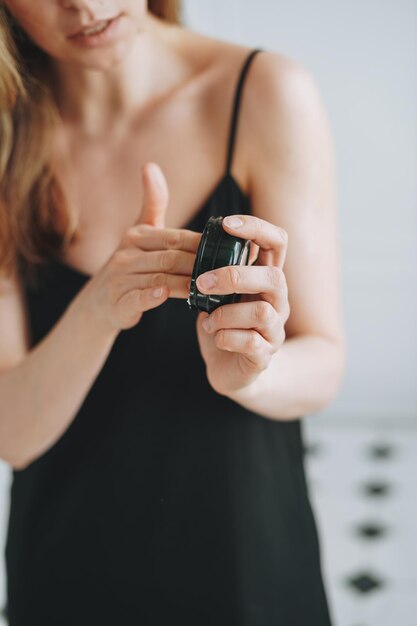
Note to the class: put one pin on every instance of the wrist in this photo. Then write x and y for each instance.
(246, 396)
(95, 323)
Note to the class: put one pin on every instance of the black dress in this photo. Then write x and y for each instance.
(163, 502)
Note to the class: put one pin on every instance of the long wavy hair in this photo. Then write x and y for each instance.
(35, 220)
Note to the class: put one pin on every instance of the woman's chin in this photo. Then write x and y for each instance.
(103, 59)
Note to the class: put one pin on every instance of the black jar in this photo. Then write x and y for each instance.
(217, 248)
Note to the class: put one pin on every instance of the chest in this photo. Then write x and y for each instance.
(102, 179)
(103, 183)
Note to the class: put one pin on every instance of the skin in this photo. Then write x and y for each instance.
(145, 122)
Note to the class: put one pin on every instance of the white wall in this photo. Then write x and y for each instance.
(363, 55)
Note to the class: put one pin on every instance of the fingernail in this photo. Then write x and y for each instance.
(155, 172)
(206, 324)
(207, 281)
(157, 293)
(152, 168)
(233, 222)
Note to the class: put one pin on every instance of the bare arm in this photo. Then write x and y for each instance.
(292, 184)
(280, 352)
(41, 389)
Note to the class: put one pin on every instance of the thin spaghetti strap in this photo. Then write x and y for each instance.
(235, 114)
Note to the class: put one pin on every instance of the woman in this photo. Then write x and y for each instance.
(157, 453)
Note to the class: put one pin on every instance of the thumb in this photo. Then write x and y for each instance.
(155, 196)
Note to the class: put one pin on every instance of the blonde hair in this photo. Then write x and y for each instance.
(35, 220)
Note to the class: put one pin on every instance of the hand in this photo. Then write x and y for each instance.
(148, 257)
(242, 337)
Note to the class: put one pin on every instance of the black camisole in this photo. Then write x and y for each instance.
(163, 502)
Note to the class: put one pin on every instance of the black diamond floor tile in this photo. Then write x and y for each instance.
(365, 582)
(370, 530)
(381, 451)
(377, 488)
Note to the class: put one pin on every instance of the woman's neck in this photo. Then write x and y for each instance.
(96, 102)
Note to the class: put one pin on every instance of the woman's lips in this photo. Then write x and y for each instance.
(99, 33)
(94, 28)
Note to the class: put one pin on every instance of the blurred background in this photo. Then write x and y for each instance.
(361, 452)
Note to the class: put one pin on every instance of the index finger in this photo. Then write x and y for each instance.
(270, 238)
(153, 238)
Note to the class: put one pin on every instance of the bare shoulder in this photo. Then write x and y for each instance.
(276, 77)
(281, 107)
(287, 141)
(284, 111)
(274, 83)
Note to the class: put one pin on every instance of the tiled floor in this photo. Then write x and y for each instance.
(363, 482)
(363, 485)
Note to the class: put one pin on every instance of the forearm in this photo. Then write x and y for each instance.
(41, 395)
(303, 376)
